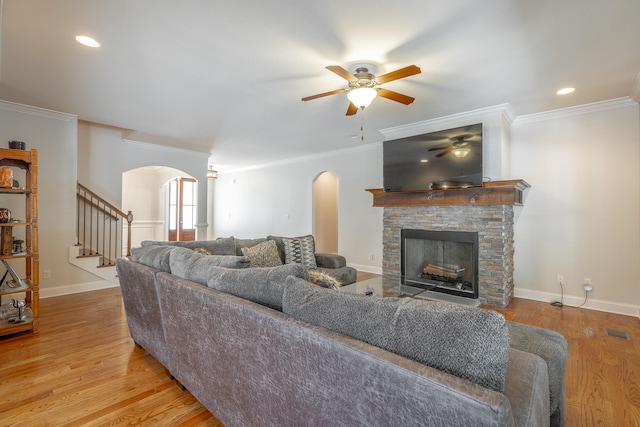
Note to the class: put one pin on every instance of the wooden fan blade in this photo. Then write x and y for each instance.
(398, 74)
(439, 148)
(342, 73)
(320, 95)
(352, 109)
(447, 151)
(395, 96)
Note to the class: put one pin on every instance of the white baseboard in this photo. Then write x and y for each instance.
(75, 288)
(574, 301)
(366, 268)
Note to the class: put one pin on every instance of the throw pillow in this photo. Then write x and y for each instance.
(264, 254)
(190, 265)
(247, 243)
(470, 343)
(261, 285)
(300, 250)
(322, 279)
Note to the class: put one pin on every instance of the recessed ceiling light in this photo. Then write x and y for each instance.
(87, 41)
(565, 90)
(424, 161)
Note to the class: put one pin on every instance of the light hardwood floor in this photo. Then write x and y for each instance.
(82, 368)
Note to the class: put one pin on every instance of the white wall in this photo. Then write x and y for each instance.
(581, 216)
(277, 199)
(55, 136)
(105, 157)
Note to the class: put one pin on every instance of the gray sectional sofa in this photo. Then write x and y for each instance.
(332, 264)
(263, 346)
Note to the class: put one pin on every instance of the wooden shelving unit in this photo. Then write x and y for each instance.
(27, 288)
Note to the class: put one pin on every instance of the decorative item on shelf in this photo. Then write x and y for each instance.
(6, 241)
(21, 317)
(6, 177)
(17, 145)
(15, 184)
(16, 247)
(16, 281)
(5, 215)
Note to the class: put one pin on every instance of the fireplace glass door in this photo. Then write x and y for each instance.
(440, 261)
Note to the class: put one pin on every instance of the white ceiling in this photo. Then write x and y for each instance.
(227, 76)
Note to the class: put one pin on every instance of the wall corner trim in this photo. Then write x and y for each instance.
(37, 111)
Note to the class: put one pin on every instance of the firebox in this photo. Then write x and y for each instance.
(440, 261)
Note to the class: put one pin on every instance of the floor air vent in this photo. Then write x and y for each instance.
(617, 334)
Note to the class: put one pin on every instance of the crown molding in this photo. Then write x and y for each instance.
(576, 110)
(447, 122)
(37, 111)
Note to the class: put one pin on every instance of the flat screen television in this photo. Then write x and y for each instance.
(446, 159)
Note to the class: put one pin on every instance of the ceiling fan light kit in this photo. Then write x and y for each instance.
(362, 88)
(461, 152)
(361, 97)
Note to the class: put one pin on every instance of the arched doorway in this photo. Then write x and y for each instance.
(146, 191)
(325, 212)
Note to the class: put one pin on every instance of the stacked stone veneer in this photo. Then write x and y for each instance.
(494, 225)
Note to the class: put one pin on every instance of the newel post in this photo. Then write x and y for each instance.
(129, 221)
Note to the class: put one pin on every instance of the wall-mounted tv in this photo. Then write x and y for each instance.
(446, 159)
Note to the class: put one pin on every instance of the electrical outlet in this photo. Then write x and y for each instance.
(587, 285)
(46, 274)
(370, 257)
(560, 280)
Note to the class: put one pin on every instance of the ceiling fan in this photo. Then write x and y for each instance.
(459, 147)
(363, 86)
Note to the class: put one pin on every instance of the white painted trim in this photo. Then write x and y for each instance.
(75, 288)
(447, 122)
(165, 148)
(143, 222)
(572, 302)
(576, 110)
(357, 149)
(366, 268)
(37, 111)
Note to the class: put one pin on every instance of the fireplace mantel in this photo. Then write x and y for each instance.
(491, 193)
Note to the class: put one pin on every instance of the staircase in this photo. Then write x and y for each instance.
(100, 235)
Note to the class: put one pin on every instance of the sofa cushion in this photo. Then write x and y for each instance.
(330, 260)
(264, 254)
(153, 256)
(300, 250)
(551, 347)
(191, 265)
(261, 285)
(221, 246)
(344, 275)
(467, 342)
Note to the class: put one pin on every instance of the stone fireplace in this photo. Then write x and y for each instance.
(440, 261)
(487, 211)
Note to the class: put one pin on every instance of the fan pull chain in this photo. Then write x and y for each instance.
(362, 125)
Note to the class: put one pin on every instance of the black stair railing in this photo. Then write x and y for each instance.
(99, 227)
